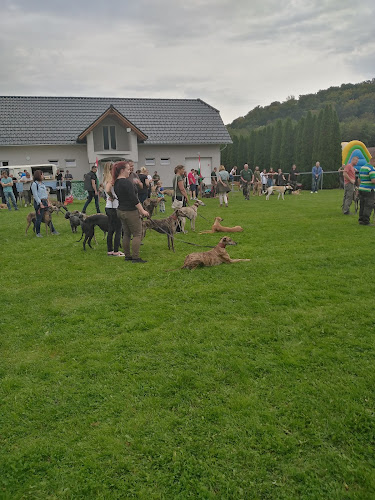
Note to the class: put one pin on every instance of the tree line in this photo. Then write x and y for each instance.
(315, 137)
(354, 105)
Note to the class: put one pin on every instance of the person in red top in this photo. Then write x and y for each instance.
(192, 184)
(349, 183)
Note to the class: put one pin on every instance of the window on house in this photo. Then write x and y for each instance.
(165, 161)
(149, 162)
(109, 137)
(70, 163)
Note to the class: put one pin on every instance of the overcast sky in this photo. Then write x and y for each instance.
(234, 55)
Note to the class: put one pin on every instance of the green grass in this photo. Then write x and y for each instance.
(254, 380)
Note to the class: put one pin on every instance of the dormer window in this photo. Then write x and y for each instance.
(109, 137)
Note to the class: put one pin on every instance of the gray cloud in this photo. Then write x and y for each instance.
(233, 55)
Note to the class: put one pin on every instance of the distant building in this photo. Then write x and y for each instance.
(73, 132)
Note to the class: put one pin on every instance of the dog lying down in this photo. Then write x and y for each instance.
(214, 257)
(218, 228)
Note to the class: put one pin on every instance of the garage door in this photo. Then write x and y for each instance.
(206, 164)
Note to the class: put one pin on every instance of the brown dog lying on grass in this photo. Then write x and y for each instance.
(218, 228)
(214, 257)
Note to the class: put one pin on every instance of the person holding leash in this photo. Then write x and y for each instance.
(40, 194)
(129, 210)
(91, 186)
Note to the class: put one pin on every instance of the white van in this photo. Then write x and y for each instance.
(49, 170)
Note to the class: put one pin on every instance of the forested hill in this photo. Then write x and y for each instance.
(354, 105)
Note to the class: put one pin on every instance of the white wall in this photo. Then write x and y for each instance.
(177, 155)
(31, 155)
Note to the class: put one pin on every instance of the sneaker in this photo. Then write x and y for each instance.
(55, 233)
(316, 192)
(312, 192)
(38, 235)
(139, 261)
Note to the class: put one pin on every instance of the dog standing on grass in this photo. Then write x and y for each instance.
(278, 189)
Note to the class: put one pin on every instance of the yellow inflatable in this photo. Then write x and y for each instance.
(355, 148)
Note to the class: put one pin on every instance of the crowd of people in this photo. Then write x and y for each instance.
(126, 191)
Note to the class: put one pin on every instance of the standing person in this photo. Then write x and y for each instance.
(114, 223)
(223, 186)
(40, 195)
(280, 178)
(59, 186)
(271, 174)
(129, 211)
(179, 191)
(68, 181)
(160, 195)
(233, 174)
(192, 180)
(91, 186)
(7, 185)
(366, 193)
(26, 181)
(257, 181)
(293, 177)
(316, 172)
(263, 176)
(143, 191)
(246, 179)
(134, 177)
(213, 182)
(349, 183)
(156, 178)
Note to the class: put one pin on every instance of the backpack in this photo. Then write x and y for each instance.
(87, 182)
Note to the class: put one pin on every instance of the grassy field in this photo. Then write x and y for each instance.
(254, 380)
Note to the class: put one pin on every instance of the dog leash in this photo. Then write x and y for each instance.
(183, 241)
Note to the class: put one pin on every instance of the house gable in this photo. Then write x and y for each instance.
(112, 116)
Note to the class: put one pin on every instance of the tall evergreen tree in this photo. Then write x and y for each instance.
(316, 146)
(234, 152)
(251, 149)
(307, 144)
(287, 145)
(259, 147)
(242, 150)
(276, 145)
(267, 147)
(336, 143)
(298, 140)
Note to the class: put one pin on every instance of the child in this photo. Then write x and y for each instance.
(160, 195)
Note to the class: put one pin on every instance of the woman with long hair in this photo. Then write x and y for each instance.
(114, 223)
(179, 191)
(129, 210)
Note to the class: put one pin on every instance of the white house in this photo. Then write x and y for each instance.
(73, 132)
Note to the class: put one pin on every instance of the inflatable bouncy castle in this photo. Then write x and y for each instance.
(355, 148)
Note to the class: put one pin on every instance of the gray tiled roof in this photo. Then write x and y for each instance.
(60, 120)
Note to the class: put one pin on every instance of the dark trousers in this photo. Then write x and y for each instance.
(114, 228)
(91, 195)
(142, 196)
(366, 206)
(39, 216)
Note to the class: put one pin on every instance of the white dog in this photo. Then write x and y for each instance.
(278, 189)
(190, 213)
